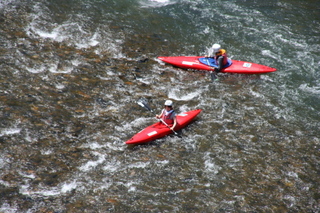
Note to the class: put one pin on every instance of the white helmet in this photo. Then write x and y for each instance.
(168, 103)
(216, 48)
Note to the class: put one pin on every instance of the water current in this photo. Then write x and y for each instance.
(72, 72)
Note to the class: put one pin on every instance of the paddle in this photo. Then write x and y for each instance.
(213, 75)
(143, 103)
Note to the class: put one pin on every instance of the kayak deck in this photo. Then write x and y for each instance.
(159, 130)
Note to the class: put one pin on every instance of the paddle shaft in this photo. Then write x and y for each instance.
(212, 74)
(167, 126)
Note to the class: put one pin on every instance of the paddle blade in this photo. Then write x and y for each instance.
(214, 77)
(143, 102)
(140, 103)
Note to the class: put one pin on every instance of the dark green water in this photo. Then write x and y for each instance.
(72, 72)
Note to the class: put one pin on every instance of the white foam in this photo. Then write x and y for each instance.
(178, 94)
(139, 165)
(6, 208)
(132, 189)
(31, 176)
(112, 166)
(256, 94)
(163, 162)
(161, 1)
(68, 187)
(5, 2)
(130, 186)
(93, 145)
(53, 35)
(139, 122)
(55, 191)
(60, 86)
(145, 80)
(156, 3)
(39, 69)
(46, 152)
(26, 191)
(9, 131)
(290, 199)
(306, 88)
(210, 166)
(89, 43)
(76, 62)
(269, 54)
(293, 174)
(92, 164)
(58, 33)
(73, 34)
(2, 161)
(54, 69)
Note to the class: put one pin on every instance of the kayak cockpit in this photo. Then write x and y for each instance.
(212, 62)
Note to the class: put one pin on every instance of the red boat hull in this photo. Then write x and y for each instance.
(159, 130)
(193, 62)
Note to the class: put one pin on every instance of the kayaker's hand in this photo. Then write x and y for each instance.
(157, 116)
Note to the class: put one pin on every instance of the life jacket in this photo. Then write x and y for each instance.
(223, 53)
(168, 119)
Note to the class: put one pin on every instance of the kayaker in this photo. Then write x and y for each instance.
(219, 55)
(168, 115)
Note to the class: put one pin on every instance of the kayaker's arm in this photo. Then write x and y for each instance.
(220, 62)
(159, 116)
(174, 123)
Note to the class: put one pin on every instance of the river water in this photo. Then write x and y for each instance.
(73, 71)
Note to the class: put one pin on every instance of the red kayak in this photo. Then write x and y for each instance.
(159, 130)
(207, 63)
